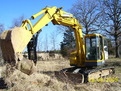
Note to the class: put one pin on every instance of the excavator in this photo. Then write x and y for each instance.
(91, 49)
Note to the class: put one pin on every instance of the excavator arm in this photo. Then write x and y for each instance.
(14, 41)
(60, 17)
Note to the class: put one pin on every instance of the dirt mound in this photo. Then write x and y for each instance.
(45, 80)
(19, 81)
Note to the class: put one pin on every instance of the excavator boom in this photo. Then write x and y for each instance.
(14, 41)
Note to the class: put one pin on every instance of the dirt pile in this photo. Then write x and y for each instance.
(45, 80)
(19, 81)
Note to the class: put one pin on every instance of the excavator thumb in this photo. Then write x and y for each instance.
(13, 42)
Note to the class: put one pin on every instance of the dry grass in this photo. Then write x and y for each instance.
(36, 82)
(53, 65)
(45, 80)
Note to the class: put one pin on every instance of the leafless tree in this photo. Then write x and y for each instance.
(112, 19)
(39, 44)
(53, 40)
(17, 22)
(87, 13)
(2, 28)
(46, 43)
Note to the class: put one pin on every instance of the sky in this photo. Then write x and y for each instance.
(12, 9)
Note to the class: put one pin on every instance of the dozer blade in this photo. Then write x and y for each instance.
(75, 78)
(13, 42)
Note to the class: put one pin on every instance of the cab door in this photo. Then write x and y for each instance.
(94, 50)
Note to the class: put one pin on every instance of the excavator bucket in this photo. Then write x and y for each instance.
(13, 42)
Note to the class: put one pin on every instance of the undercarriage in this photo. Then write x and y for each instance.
(83, 75)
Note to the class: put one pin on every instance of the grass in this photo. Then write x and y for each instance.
(45, 80)
(116, 63)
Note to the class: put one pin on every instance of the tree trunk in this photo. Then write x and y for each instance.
(116, 48)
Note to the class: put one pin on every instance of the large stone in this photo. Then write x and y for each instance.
(26, 66)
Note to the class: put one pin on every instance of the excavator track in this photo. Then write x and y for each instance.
(83, 75)
(95, 74)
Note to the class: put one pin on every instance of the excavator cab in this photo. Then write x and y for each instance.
(94, 50)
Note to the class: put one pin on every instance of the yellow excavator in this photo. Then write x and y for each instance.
(90, 49)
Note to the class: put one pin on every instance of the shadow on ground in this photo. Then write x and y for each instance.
(113, 63)
(3, 85)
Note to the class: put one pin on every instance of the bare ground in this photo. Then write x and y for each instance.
(45, 80)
